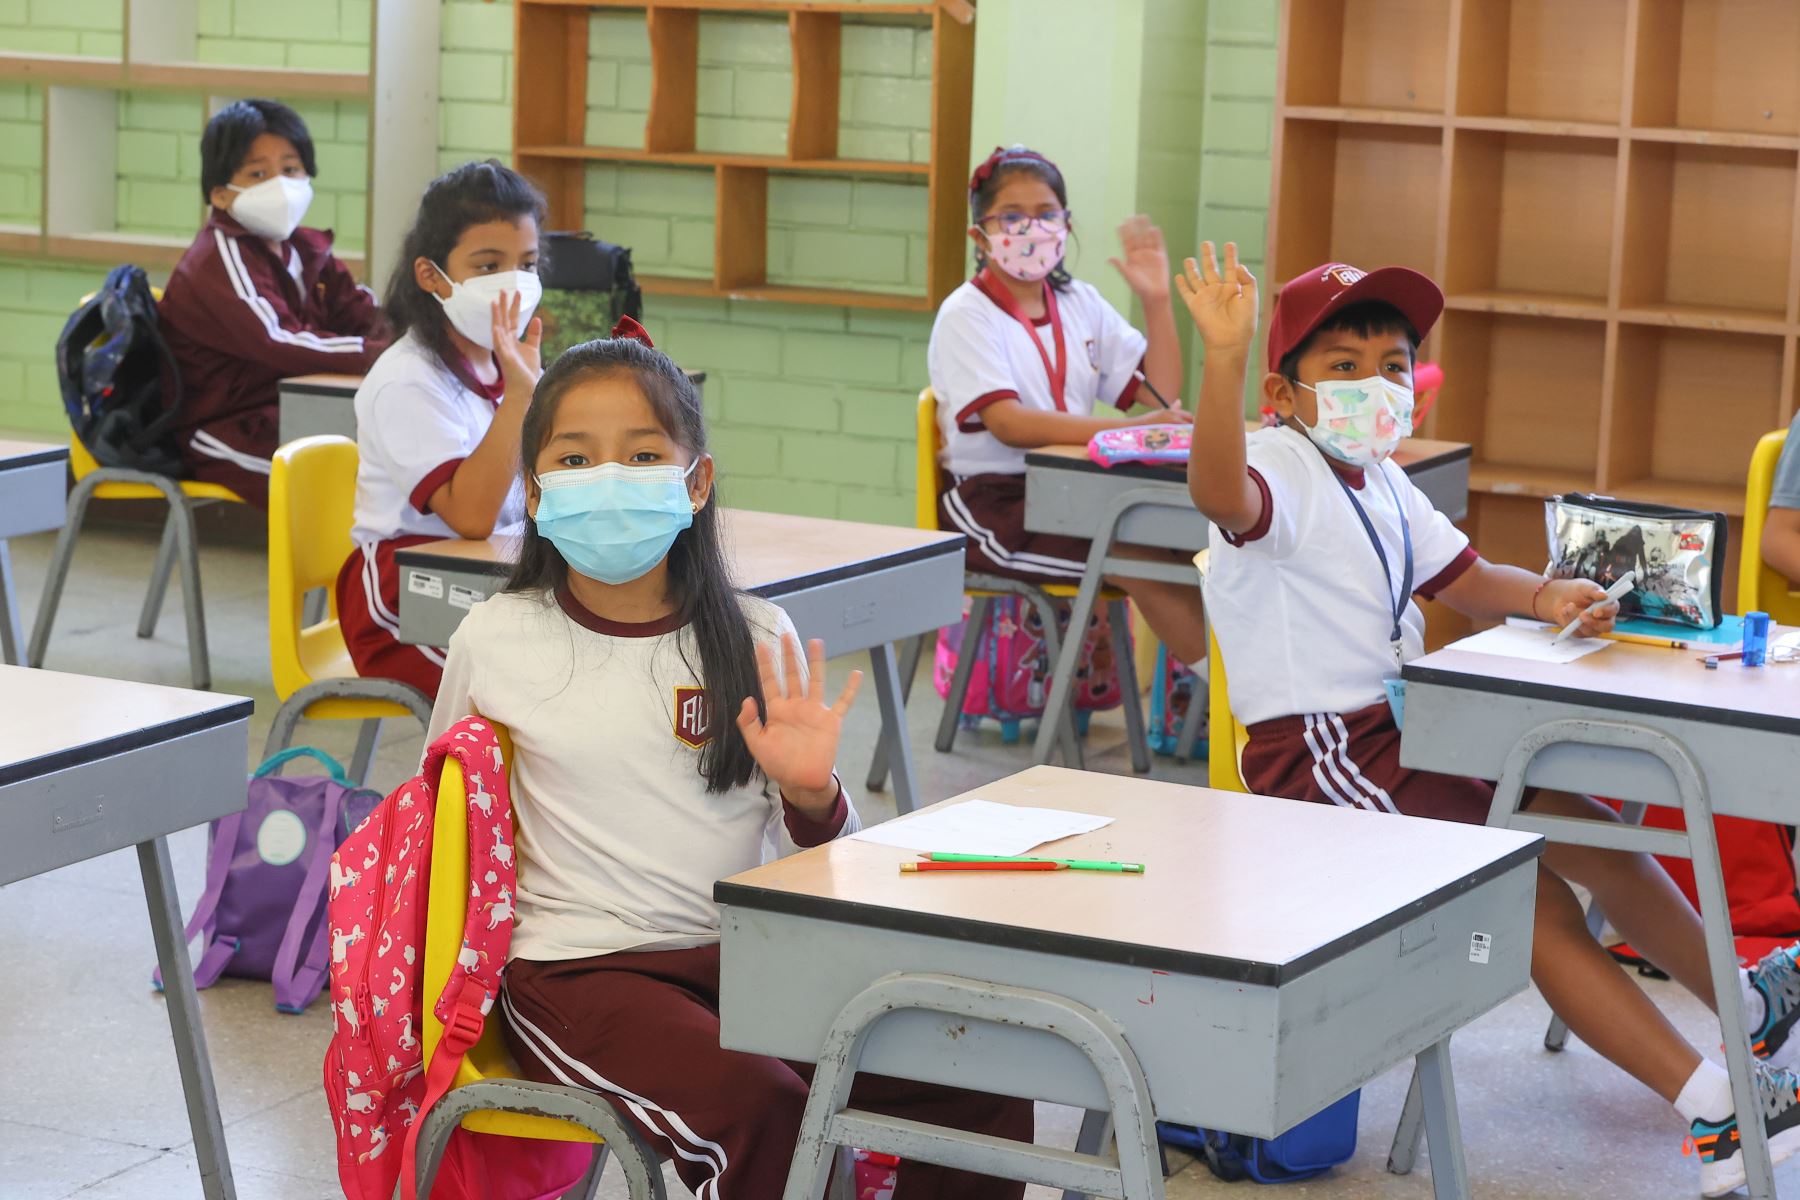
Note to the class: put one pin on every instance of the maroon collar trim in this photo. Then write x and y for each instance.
(491, 392)
(587, 619)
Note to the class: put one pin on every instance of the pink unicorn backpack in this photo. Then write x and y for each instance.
(376, 1082)
(1011, 681)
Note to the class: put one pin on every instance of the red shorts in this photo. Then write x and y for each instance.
(1353, 760)
(368, 604)
(990, 511)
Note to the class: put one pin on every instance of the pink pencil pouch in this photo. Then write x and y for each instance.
(1141, 444)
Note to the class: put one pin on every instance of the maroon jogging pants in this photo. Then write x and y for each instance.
(643, 1029)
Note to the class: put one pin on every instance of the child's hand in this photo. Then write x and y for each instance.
(1223, 305)
(1146, 263)
(1162, 416)
(796, 742)
(1562, 600)
(521, 360)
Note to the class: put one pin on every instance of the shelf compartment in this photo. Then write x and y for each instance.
(1526, 393)
(1384, 54)
(16, 67)
(1529, 304)
(1531, 215)
(1543, 59)
(1687, 409)
(1361, 194)
(775, 7)
(1718, 65)
(260, 81)
(1508, 526)
(1362, 116)
(19, 238)
(1679, 199)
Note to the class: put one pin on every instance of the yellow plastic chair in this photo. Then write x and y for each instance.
(1227, 737)
(487, 1095)
(984, 589)
(1761, 588)
(312, 497)
(179, 545)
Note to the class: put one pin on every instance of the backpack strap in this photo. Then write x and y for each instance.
(215, 951)
(461, 1031)
(273, 764)
(296, 984)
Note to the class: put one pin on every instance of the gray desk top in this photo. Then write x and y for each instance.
(1414, 454)
(1237, 887)
(30, 454)
(50, 721)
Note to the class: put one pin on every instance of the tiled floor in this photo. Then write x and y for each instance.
(90, 1106)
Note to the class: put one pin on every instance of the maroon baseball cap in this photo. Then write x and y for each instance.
(1306, 300)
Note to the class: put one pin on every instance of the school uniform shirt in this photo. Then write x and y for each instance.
(980, 354)
(416, 421)
(239, 316)
(619, 842)
(1301, 605)
(1786, 490)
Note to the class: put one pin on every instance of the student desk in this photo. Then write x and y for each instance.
(1275, 956)
(89, 766)
(33, 486)
(315, 404)
(858, 587)
(1068, 493)
(1638, 723)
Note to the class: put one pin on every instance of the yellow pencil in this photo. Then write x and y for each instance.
(1639, 639)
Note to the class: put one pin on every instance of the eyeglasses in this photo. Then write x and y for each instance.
(1020, 223)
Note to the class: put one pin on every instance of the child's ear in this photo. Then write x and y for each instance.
(533, 493)
(700, 483)
(979, 238)
(430, 279)
(222, 197)
(1279, 393)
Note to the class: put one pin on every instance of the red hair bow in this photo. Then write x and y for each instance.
(629, 328)
(1001, 154)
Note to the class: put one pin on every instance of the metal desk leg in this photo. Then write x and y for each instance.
(1449, 1174)
(12, 628)
(893, 723)
(1096, 1129)
(184, 1021)
(1058, 709)
(909, 670)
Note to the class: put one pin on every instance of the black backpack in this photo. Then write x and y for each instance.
(110, 363)
(580, 262)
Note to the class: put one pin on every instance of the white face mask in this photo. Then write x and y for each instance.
(272, 208)
(1361, 421)
(470, 306)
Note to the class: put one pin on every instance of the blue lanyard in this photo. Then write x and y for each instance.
(1404, 598)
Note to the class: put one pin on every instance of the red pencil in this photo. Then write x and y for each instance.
(910, 868)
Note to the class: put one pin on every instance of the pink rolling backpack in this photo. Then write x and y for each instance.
(1012, 675)
(376, 1081)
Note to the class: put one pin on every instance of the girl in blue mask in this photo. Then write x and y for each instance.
(667, 734)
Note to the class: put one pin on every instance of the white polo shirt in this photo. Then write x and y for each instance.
(415, 423)
(980, 354)
(1300, 604)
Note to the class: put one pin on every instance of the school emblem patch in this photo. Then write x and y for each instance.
(693, 716)
(1343, 275)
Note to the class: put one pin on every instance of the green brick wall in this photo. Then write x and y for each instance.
(21, 154)
(323, 35)
(1174, 98)
(94, 27)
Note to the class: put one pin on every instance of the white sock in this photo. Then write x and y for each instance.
(1756, 1009)
(1706, 1096)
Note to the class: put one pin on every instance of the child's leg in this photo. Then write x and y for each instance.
(1636, 894)
(1172, 610)
(1602, 1005)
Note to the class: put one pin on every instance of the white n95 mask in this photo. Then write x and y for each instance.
(272, 208)
(470, 306)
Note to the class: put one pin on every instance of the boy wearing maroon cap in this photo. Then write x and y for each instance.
(1320, 544)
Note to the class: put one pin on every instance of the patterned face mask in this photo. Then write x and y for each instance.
(1361, 421)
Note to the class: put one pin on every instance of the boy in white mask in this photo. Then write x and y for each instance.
(256, 298)
(438, 417)
(1320, 545)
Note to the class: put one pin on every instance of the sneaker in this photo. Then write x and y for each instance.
(1717, 1142)
(1777, 979)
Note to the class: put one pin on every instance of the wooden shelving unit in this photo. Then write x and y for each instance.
(550, 127)
(1609, 193)
(161, 42)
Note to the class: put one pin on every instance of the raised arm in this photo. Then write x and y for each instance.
(1223, 307)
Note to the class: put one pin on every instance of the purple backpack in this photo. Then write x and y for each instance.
(262, 915)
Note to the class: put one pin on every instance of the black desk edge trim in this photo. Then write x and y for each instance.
(1175, 472)
(1735, 718)
(168, 731)
(1177, 962)
(950, 547)
(35, 458)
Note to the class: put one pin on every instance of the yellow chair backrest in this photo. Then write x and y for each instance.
(925, 512)
(1226, 737)
(1761, 588)
(446, 907)
(312, 504)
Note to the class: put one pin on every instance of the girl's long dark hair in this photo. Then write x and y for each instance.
(700, 585)
(472, 194)
(1020, 161)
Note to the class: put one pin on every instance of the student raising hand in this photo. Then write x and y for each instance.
(1223, 305)
(796, 741)
(1146, 262)
(521, 358)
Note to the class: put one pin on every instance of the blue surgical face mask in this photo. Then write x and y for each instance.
(614, 522)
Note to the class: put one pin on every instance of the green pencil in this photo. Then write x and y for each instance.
(1074, 864)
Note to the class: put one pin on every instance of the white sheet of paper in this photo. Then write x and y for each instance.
(982, 827)
(1533, 645)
